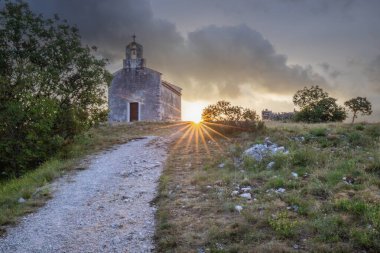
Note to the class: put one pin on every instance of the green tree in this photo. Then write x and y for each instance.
(51, 87)
(309, 96)
(316, 106)
(227, 115)
(359, 104)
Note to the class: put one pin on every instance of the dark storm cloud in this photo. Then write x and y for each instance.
(232, 56)
(211, 61)
(110, 24)
(329, 70)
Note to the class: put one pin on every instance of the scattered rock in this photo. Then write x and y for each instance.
(117, 226)
(234, 193)
(294, 174)
(238, 208)
(299, 138)
(246, 195)
(348, 180)
(296, 246)
(21, 200)
(221, 166)
(280, 190)
(267, 141)
(201, 250)
(259, 151)
(246, 189)
(209, 187)
(294, 208)
(270, 165)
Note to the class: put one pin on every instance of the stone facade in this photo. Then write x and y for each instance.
(138, 93)
(276, 116)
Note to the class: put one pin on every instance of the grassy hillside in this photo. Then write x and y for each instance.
(330, 201)
(331, 205)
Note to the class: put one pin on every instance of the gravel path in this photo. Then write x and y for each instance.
(104, 208)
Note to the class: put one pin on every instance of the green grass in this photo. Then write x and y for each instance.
(29, 187)
(331, 206)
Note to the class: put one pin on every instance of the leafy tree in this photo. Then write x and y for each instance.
(359, 104)
(316, 106)
(226, 114)
(309, 96)
(51, 87)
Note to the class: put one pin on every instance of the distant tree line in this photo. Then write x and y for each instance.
(51, 87)
(317, 106)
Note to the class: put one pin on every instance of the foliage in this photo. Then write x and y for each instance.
(282, 224)
(317, 106)
(224, 113)
(359, 104)
(51, 87)
(309, 96)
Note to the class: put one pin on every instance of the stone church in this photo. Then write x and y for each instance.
(138, 93)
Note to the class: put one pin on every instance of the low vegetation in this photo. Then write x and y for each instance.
(322, 196)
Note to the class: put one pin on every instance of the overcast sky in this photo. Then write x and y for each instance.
(255, 53)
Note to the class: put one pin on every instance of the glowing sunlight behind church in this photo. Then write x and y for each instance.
(192, 111)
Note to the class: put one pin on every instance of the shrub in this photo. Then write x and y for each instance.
(303, 157)
(317, 106)
(373, 131)
(319, 132)
(358, 139)
(282, 224)
(226, 118)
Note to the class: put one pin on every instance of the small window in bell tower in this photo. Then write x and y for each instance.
(133, 54)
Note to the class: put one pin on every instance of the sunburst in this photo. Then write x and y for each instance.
(198, 136)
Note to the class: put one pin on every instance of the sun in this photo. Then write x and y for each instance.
(192, 111)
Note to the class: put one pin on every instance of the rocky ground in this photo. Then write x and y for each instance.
(105, 208)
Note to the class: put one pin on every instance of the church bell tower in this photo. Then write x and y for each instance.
(134, 55)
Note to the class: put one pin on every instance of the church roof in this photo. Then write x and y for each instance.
(172, 87)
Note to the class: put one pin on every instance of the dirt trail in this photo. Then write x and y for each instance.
(105, 208)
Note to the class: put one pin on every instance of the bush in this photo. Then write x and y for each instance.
(226, 118)
(282, 224)
(316, 106)
(319, 132)
(27, 135)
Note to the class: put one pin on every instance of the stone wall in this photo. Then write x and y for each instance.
(170, 104)
(135, 85)
(276, 116)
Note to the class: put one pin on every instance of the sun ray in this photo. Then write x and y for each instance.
(182, 129)
(190, 138)
(223, 125)
(174, 125)
(204, 140)
(212, 138)
(181, 139)
(218, 133)
(196, 126)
